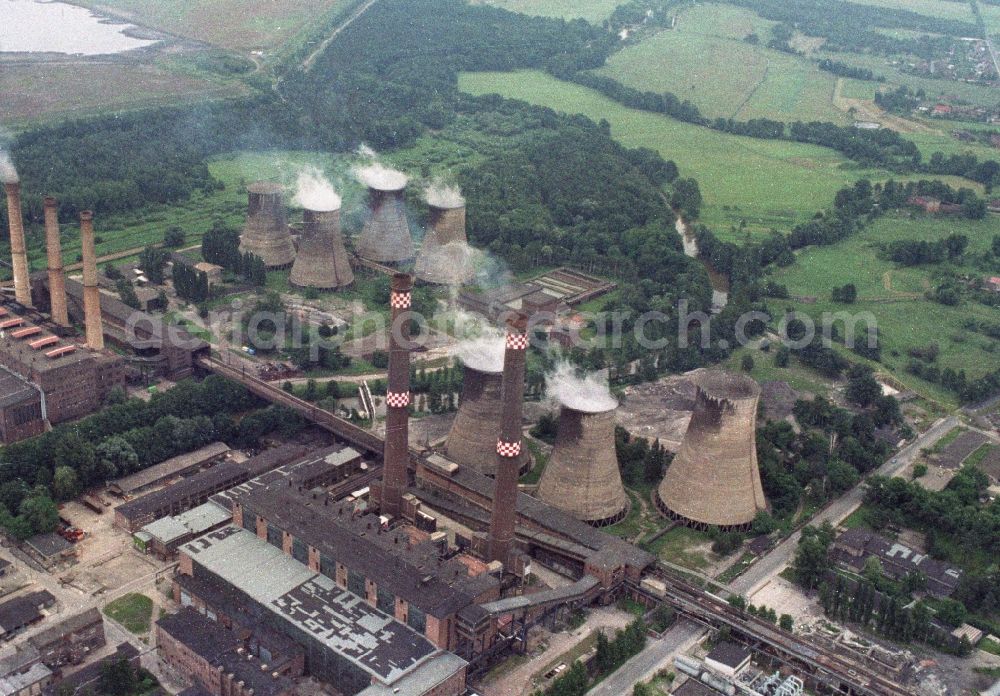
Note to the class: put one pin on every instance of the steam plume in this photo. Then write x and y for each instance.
(380, 177)
(441, 195)
(314, 192)
(8, 172)
(588, 393)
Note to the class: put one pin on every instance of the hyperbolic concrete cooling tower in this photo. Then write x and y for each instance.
(477, 424)
(445, 257)
(714, 479)
(266, 231)
(386, 238)
(322, 261)
(582, 477)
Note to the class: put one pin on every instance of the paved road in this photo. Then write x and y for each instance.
(656, 655)
(771, 564)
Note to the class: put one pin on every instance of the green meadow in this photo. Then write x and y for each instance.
(765, 182)
(594, 11)
(946, 9)
(705, 60)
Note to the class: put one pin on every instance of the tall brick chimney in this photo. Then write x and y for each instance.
(53, 248)
(396, 456)
(504, 512)
(91, 294)
(19, 256)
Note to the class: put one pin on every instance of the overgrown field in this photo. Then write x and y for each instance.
(706, 60)
(894, 295)
(768, 183)
(594, 11)
(234, 24)
(947, 9)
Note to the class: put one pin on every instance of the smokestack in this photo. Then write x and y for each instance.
(19, 256)
(385, 237)
(396, 455)
(504, 512)
(91, 295)
(582, 477)
(445, 257)
(266, 231)
(477, 423)
(322, 261)
(53, 248)
(714, 479)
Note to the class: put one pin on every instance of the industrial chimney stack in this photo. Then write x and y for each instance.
(53, 248)
(19, 255)
(582, 477)
(714, 479)
(322, 261)
(396, 455)
(91, 294)
(477, 423)
(504, 512)
(266, 231)
(385, 237)
(445, 257)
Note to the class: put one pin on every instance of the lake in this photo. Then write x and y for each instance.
(30, 26)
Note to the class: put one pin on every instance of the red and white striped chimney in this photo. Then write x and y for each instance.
(396, 455)
(504, 512)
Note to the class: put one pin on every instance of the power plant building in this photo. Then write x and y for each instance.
(266, 231)
(714, 480)
(322, 261)
(582, 477)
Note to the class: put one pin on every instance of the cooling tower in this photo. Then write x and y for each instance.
(322, 261)
(477, 423)
(714, 480)
(385, 237)
(266, 231)
(445, 257)
(582, 477)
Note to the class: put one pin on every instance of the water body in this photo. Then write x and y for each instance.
(32, 26)
(720, 285)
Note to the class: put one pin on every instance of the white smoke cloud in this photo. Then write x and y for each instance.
(441, 195)
(480, 343)
(378, 176)
(314, 192)
(366, 153)
(8, 172)
(587, 393)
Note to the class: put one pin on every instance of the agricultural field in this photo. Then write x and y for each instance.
(894, 296)
(36, 91)
(946, 9)
(767, 183)
(594, 11)
(237, 25)
(706, 61)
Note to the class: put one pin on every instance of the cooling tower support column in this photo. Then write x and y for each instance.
(53, 249)
(396, 455)
(91, 294)
(509, 445)
(19, 255)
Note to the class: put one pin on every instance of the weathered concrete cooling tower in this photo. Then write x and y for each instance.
(386, 238)
(445, 257)
(582, 477)
(477, 424)
(714, 479)
(266, 231)
(322, 261)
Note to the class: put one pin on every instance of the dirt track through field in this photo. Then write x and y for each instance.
(866, 110)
